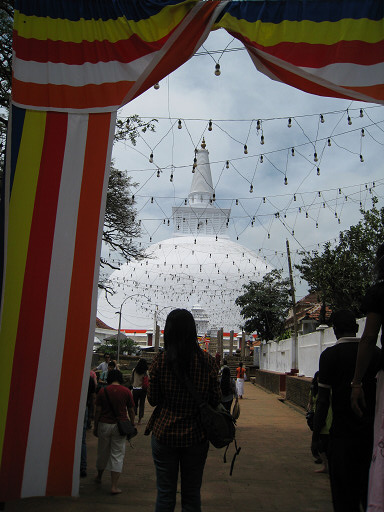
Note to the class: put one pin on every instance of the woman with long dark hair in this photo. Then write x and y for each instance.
(139, 387)
(178, 438)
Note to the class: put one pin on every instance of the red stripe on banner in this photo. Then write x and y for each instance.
(43, 51)
(302, 83)
(68, 97)
(182, 48)
(320, 55)
(32, 308)
(61, 463)
(373, 91)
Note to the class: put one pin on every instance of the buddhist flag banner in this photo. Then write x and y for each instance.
(323, 47)
(75, 62)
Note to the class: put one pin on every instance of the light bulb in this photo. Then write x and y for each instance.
(317, 225)
(251, 188)
(213, 197)
(269, 235)
(258, 124)
(227, 164)
(361, 158)
(210, 125)
(179, 124)
(293, 151)
(289, 122)
(261, 159)
(329, 142)
(362, 132)
(151, 199)
(285, 181)
(158, 173)
(315, 157)
(263, 199)
(245, 149)
(361, 112)
(349, 120)
(262, 139)
(294, 197)
(237, 201)
(151, 158)
(156, 86)
(217, 70)
(133, 198)
(171, 178)
(321, 118)
(318, 171)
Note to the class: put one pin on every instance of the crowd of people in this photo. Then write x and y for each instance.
(346, 400)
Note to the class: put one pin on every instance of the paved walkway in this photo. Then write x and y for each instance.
(274, 471)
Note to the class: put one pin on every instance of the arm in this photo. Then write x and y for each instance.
(322, 406)
(96, 420)
(153, 393)
(364, 355)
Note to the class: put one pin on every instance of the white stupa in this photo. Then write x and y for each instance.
(199, 269)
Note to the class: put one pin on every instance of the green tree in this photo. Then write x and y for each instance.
(265, 305)
(127, 345)
(340, 275)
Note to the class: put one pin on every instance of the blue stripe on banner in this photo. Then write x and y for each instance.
(74, 10)
(18, 115)
(299, 10)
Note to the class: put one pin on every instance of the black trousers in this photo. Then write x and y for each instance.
(349, 460)
(139, 396)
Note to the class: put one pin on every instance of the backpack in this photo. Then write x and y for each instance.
(218, 423)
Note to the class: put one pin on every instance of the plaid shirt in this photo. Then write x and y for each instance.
(176, 419)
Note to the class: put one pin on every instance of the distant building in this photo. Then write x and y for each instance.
(308, 311)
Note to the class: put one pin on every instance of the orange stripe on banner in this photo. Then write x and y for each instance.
(61, 462)
(373, 91)
(67, 97)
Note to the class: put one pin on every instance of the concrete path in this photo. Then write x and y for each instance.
(273, 472)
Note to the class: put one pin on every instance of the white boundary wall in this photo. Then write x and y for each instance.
(276, 357)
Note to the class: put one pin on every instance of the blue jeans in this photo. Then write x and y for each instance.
(167, 461)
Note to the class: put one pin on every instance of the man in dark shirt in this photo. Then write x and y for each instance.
(351, 437)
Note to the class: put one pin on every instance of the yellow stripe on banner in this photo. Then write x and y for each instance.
(150, 29)
(324, 32)
(20, 218)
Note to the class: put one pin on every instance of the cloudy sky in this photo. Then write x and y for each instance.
(305, 208)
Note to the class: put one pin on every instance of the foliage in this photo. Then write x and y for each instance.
(265, 305)
(127, 346)
(340, 275)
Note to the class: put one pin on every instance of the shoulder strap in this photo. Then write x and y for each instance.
(109, 402)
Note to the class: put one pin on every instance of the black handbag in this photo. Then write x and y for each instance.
(125, 426)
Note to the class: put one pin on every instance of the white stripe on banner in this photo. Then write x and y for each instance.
(92, 324)
(349, 74)
(78, 75)
(53, 336)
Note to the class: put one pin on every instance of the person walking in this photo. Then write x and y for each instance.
(373, 305)
(350, 437)
(179, 442)
(111, 444)
(139, 382)
(240, 375)
(228, 388)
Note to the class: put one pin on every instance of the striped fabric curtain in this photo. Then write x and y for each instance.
(75, 63)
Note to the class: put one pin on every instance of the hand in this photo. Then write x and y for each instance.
(358, 400)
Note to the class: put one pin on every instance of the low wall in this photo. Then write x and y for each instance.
(296, 389)
(272, 381)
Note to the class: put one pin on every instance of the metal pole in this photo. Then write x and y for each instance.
(118, 336)
(294, 358)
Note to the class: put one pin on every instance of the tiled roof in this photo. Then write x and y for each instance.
(101, 325)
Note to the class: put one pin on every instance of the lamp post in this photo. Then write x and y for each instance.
(155, 316)
(119, 313)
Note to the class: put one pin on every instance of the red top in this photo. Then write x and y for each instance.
(240, 372)
(121, 399)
